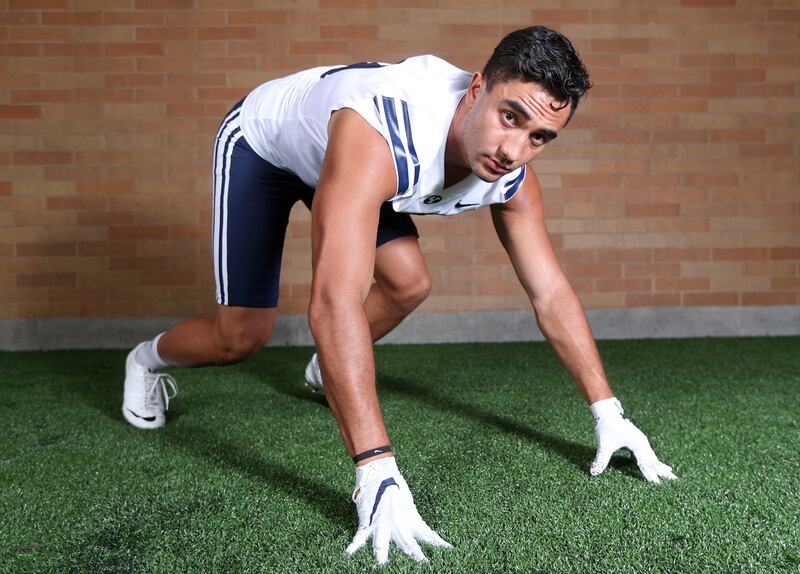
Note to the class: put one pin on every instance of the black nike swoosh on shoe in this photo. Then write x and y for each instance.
(460, 205)
(148, 419)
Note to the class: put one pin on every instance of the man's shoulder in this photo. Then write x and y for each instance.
(417, 80)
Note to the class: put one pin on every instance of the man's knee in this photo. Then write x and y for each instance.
(411, 293)
(241, 340)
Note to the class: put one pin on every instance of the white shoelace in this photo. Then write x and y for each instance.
(162, 383)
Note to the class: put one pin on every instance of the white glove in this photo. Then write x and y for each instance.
(614, 432)
(386, 512)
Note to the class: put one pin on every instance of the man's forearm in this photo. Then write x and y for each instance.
(563, 322)
(342, 336)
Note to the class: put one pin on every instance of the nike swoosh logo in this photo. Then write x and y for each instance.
(460, 205)
(148, 419)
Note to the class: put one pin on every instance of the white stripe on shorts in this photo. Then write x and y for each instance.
(228, 134)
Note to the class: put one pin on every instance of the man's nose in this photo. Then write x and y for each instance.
(512, 151)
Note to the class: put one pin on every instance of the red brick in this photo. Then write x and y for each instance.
(40, 96)
(169, 278)
(226, 33)
(681, 254)
(45, 249)
(710, 299)
(702, 3)
(737, 76)
(43, 157)
(768, 298)
(548, 16)
(166, 33)
(139, 232)
(20, 50)
(134, 80)
(682, 284)
(593, 270)
(652, 269)
(21, 112)
(45, 280)
(347, 4)
(318, 47)
(105, 218)
(116, 50)
(624, 255)
(72, 18)
(257, 17)
(20, 18)
(106, 187)
(348, 32)
(784, 253)
(39, 4)
(95, 248)
(73, 49)
(625, 285)
(739, 254)
(132, 18)
(708, 91)
(652, 299)
(164, 4)
(652, 209)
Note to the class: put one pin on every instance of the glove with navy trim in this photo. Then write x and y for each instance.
(614, 432)
(386, 512)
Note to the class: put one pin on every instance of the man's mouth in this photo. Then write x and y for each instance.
(495, 168)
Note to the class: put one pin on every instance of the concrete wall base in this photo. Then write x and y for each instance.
(637, 323)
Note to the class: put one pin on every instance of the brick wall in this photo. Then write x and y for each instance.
(677, 184)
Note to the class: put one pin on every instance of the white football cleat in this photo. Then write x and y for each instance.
(147, 393)
(314, 375)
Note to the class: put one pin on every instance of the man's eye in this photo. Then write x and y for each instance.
(538, 139)
(509, 117)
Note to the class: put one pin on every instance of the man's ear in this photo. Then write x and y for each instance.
(476, 87)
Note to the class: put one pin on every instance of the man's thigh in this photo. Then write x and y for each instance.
(252, 203)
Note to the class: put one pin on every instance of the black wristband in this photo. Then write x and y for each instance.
(372, 452)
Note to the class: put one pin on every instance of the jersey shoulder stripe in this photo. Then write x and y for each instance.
(414, 158)
(514, 184)
(402, 141)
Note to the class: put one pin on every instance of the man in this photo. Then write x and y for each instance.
(371, 143)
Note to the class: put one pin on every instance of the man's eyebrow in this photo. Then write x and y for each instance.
(517, 107)
(551, 135)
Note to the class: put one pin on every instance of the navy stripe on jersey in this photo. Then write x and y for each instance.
(514, 184)
(356, 66)
(402, 142)
(397, 144)
(411, 149)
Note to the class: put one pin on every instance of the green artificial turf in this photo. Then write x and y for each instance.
(250, 474)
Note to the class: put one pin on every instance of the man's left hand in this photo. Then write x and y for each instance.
(614, 432)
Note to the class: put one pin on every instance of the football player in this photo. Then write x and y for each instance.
(363, 146)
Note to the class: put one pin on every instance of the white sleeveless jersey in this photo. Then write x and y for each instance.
(411, 104)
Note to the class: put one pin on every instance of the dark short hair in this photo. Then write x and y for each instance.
(541, 55)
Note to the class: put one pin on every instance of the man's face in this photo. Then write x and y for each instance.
(508, 126)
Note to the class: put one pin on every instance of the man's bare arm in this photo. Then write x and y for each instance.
(520, 226)
(521, 229)
(357, 177)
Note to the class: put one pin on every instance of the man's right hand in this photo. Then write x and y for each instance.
(386, 512)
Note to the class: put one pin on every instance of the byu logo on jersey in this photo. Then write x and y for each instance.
(432, 199)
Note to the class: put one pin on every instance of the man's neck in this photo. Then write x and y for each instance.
(455, 166)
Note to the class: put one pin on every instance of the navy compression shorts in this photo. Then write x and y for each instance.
(252, 202)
